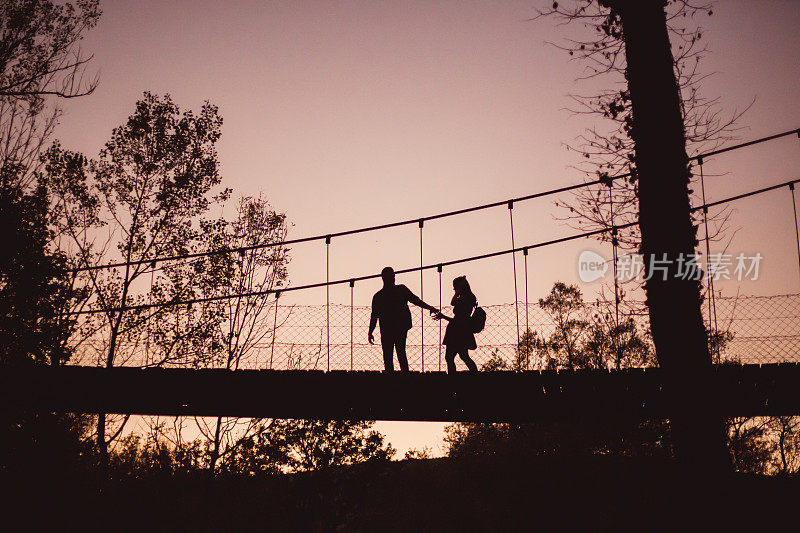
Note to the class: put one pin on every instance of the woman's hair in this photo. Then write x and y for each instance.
(465, 288)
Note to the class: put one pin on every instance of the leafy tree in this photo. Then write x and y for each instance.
(244, 319)
(321, 444)
(39, 57)
(275, 446)
(144, 194)
(618, 343)
(153, 455)
(528, 344)
(748, 444)
(598, 341)
(786, 435)
(565, 307)
(33, 287)
(413, 453)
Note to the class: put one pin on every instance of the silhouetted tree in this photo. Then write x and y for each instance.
(786, 431)
(656, 127)
(33, 285)
(413, 453)
(321, 444)
(613, 342)
(39, 57)
(564, 305)
(245, 319)
(140, 199)
(586, 341)
(274, 446)
(606, 148)
(748, 444)
(528, 344)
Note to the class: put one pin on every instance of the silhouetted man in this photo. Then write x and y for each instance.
(390, 307)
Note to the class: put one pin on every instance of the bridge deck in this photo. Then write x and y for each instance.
(434, 396)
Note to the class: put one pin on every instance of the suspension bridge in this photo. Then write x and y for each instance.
(309, 363)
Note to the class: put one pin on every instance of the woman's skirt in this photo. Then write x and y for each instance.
(459, 336)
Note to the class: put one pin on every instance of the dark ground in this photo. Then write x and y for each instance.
(476, 494)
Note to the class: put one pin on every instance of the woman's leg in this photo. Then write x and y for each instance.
(466, 358)
(450, 358)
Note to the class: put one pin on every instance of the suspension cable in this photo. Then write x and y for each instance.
(541, 194)
(412, 269)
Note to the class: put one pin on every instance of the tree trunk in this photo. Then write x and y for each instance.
(667, 231)
(102, 448)
(215, 450)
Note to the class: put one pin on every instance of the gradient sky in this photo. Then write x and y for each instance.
(348, 114)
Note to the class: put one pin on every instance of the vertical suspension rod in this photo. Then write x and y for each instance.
(274, 329)
(712, 306)
(614, 256)
(328, 298)
(796, 230)
(528, 339)
(439, 270)
(421, 297)
(352, 284)
(514, 262)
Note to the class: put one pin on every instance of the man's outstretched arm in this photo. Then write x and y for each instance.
(411, 297)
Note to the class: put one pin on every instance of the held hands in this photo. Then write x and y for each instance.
(371, 338)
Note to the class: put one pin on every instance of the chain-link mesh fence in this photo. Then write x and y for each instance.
(761, 330)
(751, 329)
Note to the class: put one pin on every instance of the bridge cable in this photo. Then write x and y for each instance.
(414, 269)
(411, 221)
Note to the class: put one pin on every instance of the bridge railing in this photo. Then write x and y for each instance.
(757, 329)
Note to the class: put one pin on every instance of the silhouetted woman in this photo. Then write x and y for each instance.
(459, 337)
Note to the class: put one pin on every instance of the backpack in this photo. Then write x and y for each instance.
(478, 319)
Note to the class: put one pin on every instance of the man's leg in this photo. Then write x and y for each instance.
(387, 343)
(400, 343)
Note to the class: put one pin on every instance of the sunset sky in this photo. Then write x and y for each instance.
(349, 114)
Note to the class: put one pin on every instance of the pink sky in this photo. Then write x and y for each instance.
(351, 114)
